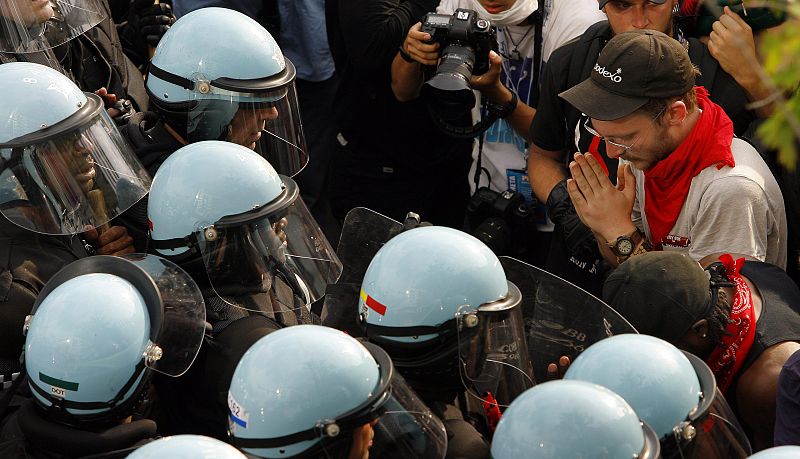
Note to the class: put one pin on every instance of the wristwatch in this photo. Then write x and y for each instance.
(628, 245)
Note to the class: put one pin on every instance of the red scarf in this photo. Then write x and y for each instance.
(727, 359)
(667, 183)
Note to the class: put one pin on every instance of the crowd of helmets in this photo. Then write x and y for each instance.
(317, 354)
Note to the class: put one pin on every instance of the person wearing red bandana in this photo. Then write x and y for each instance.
(741, 317)
(684, 181)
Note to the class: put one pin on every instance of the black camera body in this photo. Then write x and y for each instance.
(463, 28)
(503, 221)
(465, 41)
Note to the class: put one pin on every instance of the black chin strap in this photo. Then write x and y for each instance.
(59, 405)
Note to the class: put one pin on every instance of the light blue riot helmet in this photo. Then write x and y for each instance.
(304, 391)
(673, 391)
(63, 163)
(653, 376)
(100, 325)
(223, 208)
(436, 298)
(778, 452)
(187, 447)
(27, 26)
(217, 74)
(561, 419)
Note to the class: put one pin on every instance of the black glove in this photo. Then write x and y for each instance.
(150, 22)
(578, 238)
(145, 26)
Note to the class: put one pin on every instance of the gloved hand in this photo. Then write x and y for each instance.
(150, 22)
(578, 238)
(145, 26)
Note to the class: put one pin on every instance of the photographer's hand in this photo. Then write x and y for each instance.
(490, 87)
(418, 45)
(489, 83)
(407, 75)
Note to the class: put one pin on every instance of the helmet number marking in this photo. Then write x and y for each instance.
(238, 415)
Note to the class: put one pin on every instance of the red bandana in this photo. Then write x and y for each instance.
(727, 359)
(667, 183)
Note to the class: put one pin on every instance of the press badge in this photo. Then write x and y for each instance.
(518, 181)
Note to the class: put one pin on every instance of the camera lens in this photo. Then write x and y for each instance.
(450, 85)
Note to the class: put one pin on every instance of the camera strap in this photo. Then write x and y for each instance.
(538, 24)
(478, 166)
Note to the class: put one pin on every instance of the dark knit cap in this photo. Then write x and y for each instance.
(660, 293)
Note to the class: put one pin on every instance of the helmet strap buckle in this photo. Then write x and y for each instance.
(329, 428)
(152, 353)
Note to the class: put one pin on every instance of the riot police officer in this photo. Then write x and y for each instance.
(221, 212)
(64, 168)
(315, 392)
(98, 330)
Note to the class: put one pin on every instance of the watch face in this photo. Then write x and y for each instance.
(624, 246)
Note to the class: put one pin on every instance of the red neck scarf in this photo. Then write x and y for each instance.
(727, 359)
(667, 183)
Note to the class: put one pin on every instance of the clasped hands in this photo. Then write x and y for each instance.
(602, 206)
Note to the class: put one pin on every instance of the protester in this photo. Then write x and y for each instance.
(684, 182)
(741, 317)
(557, 131)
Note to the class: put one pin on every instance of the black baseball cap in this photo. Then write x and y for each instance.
(603, 2)
(633, 68)
(660, 293)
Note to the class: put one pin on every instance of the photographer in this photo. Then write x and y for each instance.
(528, 31)
(391, 157)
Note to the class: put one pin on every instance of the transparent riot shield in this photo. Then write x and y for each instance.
(561, 319)
(364, 232)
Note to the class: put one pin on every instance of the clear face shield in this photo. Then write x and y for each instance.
(262, 116)
(493, 357)
(560, 318)
(712, 430)
(174, 302)
(183, 317)
(76, 173)
(278, 248)
(401, 425)
(28, 26)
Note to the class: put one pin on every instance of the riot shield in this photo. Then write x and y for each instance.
(561, 319)
(364, 232)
